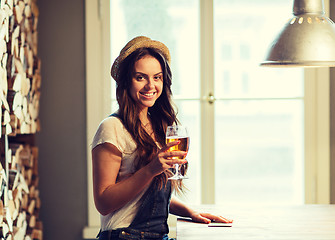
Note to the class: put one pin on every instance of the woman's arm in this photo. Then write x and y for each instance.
(180, 209)
(106, 161)
(109, 195)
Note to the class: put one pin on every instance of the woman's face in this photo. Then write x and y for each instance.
(147, 81)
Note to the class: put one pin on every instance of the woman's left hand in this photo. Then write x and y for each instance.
(207, 218)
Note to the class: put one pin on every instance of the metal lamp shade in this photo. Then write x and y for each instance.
(307, 40)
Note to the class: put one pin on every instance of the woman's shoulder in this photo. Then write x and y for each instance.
(111, 121)
(111, 130)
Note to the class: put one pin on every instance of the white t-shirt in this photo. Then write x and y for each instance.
(111, 130)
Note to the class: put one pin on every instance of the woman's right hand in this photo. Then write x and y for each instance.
(166, 159)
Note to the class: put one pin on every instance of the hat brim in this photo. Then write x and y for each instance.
(133, 45)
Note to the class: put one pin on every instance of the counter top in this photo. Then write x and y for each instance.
(298, 222)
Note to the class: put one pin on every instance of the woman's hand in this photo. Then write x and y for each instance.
(207, 218)
(166, 159)
(180, 209)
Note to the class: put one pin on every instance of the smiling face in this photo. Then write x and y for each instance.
(147, 81)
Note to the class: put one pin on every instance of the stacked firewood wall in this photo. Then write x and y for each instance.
(19, 105)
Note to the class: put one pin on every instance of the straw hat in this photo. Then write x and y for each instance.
(134, 44)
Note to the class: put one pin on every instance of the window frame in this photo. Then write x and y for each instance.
(98, 85)
(98, 105)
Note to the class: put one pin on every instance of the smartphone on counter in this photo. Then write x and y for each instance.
(218, 224)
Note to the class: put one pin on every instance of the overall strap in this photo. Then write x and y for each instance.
(115, 115)
(104, 235)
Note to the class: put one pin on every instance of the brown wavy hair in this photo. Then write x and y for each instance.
(162, 113)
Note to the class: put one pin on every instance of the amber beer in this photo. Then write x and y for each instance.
(182, 146)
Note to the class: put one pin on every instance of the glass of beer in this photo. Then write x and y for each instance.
(178, 133)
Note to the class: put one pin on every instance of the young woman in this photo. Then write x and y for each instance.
(130, 159)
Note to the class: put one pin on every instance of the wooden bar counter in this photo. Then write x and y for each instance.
(299, 222)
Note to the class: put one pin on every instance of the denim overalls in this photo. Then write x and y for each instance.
(150, 221)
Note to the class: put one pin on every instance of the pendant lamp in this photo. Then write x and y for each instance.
(307, 39)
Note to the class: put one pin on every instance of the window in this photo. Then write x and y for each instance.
(265, 126)
(259, 140)
(258, 122)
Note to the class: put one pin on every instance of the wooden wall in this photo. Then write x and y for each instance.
(20, 83)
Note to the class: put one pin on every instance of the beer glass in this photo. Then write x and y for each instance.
(178, 133)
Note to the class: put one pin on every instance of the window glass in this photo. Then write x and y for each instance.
(259, 111)
(176, 24)
(259, 151)
(243, 32)
(190, 117)
(173, 22)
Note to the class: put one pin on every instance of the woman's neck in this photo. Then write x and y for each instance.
(146, 123)
(144, 117)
